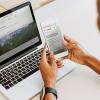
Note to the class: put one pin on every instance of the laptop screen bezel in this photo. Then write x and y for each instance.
(29, 48)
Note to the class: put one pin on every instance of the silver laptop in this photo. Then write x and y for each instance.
(20, 51)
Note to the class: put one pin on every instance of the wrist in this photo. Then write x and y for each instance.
(48, 93)
(51, 85)
(86, 59)
(51, 91)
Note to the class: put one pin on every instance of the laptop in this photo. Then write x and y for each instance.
(20, 50)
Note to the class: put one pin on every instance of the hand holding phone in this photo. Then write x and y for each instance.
(54, 38)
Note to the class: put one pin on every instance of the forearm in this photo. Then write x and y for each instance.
(93, 63)
(49, 96)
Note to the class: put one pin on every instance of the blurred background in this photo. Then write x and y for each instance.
(35, 3)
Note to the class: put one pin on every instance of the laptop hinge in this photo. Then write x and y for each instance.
(17, 57)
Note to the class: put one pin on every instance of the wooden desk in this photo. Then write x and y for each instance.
(2, 9)
(7, 4)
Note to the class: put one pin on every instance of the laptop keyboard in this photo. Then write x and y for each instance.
(20, 70)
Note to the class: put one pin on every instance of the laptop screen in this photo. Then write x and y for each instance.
(18, 31)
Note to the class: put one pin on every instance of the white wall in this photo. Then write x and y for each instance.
(77, 18)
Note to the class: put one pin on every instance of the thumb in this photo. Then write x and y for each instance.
(68, 45)
(65, 43)
(52, 59)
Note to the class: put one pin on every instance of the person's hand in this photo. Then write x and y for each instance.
(48, 68)
(75, 52)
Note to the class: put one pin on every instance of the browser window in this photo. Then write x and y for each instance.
(18, 31)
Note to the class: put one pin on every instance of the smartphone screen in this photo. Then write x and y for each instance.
(54, 38)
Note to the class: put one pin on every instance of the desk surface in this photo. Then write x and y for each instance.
(77, 19)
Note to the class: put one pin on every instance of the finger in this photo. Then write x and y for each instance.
(43, 60)
(59, 64)
(65, 43)
(68, 39)
(43, 56)
(68, 45)
(52, 59)
(59, 61)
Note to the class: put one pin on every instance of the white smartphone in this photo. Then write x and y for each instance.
(54, 38)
